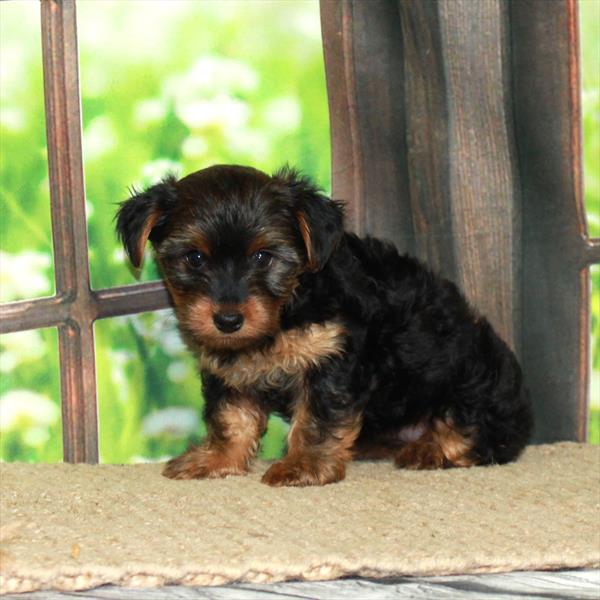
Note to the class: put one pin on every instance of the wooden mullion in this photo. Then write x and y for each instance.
(131, 299)
(69, 229)
(33, 314)
(591, 251)
(110, 302)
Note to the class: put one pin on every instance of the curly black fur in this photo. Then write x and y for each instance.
(417, 370)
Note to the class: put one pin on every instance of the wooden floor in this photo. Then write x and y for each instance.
(539, 584)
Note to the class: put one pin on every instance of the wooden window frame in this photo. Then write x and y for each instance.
(75, 306)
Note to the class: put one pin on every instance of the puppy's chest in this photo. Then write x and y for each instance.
(283, 363)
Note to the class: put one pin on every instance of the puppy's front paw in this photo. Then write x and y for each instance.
(202, 462)
(302, 471)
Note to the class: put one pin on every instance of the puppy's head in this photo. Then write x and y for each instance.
(231, 243)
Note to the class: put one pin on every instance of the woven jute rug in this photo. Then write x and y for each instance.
(71, 527)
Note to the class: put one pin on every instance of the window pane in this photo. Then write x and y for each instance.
(149, 393)
(589, 13)
(177, 86)
(594, 416)
(30, 423)
(149, 399)
(25, 235)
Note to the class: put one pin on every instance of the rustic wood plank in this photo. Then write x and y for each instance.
(435, 163)
(555, 292)
(336, 23)
(427, 136)
(484, 199)
(465, 139)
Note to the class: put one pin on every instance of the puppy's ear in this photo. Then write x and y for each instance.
(139, 217)
(320, 219)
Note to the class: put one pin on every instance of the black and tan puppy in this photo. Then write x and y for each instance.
(365, 351)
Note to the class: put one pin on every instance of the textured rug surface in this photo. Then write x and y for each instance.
(74, 527)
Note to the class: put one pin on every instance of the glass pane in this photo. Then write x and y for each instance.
(25, 235)
(594, 417)
(589, 14)
(30, 421)
(215, 82)
(149, 394)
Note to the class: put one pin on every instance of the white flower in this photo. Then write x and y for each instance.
(283, 114)
(155, 170)
(212, 75)
(12, 118)
(17, 406)
(160, 328)
(99, 137)
(20, 347)
(176, 421)
(249, 142)
(177, 371)
(222, 111)
(194, 146)
(23, 275)
(170, 339)
(36, 436)
(595, 389)
(118, 360)
(307, 23)
(151, 110)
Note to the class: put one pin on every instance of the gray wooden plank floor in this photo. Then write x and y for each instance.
(584, 584)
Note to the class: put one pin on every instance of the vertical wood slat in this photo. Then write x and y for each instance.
(467, 118)
(346, 162)
(555, 322)
(483, 183)
(437, 153)
(69, 229)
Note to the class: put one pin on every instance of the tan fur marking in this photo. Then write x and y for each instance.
(229, 448)
(305, 233)
(200, 243)
(198, 316)
(261, 318)
(310, 459)
(442, 446)
(143, 239)
(456, 446)
(258, 243)
(291, 354)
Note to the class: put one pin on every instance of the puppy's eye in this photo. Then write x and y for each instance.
(262, 258)
(195, 259)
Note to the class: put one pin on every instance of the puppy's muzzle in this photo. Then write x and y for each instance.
(228, 322)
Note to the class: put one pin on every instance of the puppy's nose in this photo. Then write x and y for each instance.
(228, 322)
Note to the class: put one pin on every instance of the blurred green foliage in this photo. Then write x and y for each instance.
(169, 86)
(589, 22)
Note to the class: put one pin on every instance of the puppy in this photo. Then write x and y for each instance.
(365, 351)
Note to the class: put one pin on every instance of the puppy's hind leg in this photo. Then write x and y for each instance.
(441, 446)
